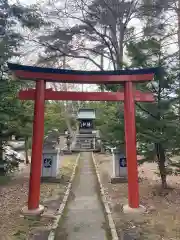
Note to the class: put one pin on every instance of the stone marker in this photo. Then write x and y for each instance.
(119, 174)
(51, 156)
(50, 163)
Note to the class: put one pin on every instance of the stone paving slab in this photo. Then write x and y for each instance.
(84, 218)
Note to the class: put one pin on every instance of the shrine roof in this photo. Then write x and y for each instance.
(64, 75)
(84, 114)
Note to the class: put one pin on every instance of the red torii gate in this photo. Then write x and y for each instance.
(40, 94)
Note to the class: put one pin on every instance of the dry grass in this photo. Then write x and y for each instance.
(162, 219)
(13, 197)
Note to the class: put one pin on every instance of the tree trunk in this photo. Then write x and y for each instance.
(178, 34)
(161, 164)
(2, 170)
(1, 151)
(102, 49)
(26, 151)
(113, 35)
(121, 47)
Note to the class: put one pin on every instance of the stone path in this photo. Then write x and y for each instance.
(84, 218)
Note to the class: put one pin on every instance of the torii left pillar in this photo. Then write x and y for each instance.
(33, 207)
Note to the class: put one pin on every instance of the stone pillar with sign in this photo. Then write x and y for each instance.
(51, 157)
(119, 173)
(51, 163)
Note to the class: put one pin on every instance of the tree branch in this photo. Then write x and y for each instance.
(66, 54)
(146, 111)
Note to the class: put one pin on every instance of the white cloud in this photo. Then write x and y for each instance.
(28, 2)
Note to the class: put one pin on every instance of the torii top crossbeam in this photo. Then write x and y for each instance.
(74, 76)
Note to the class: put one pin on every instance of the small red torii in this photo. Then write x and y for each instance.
(40, 94)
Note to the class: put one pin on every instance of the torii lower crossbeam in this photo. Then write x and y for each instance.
(85, 96)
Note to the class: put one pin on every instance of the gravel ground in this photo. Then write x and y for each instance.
(13, 196)
(162, 219)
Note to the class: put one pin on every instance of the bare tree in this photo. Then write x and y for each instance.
(94, 30)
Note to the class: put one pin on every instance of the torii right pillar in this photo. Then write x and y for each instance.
(131, 154)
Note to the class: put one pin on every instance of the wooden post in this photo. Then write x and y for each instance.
(130, 137)
(37, 146)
